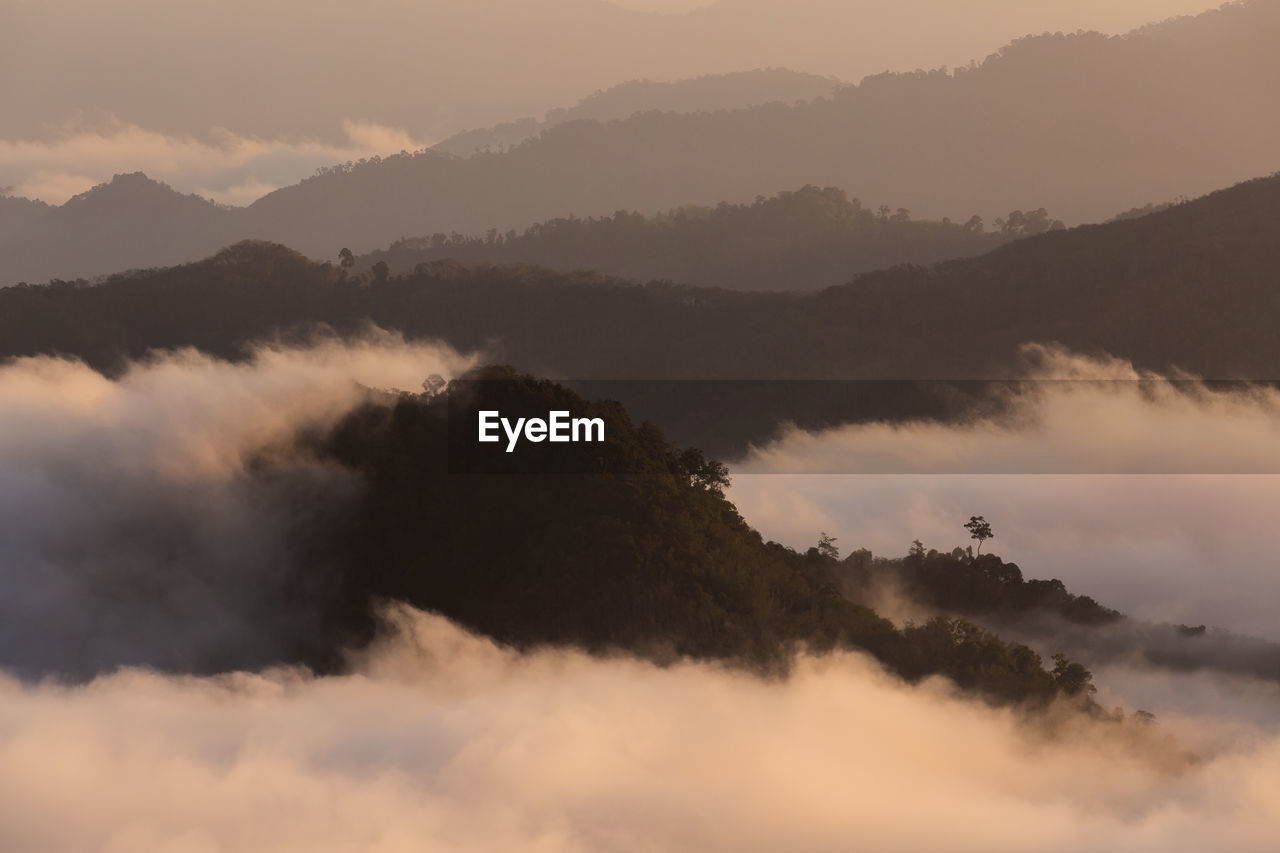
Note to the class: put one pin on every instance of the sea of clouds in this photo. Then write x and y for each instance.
(437, 739)
(227, 167)
(132, 527)
(1156, 498)
(440, 740)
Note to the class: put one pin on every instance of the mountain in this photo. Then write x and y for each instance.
(1084, 125)
(708, 92)
(622, 545)
(1187, 288)
(128, 223)
(800, 240)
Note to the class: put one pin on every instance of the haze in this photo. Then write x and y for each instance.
(304, 73)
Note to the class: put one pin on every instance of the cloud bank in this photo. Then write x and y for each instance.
(130, 534)
(220, 165)
(442, 740)
(131, 531)
(1166, 522)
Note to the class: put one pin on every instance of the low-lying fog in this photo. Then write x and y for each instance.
(1138, 493)
(130, 529)
(438, 739)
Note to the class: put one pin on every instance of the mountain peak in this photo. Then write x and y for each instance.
(135, 193)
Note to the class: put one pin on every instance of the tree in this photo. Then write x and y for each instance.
(827, 546)
(980, 529)
(346, 259)
(701, 471)
(380, 271)
(1071, 678)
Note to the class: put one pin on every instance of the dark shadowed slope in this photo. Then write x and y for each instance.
(1191, 287)
(630, 545)
(623, 545)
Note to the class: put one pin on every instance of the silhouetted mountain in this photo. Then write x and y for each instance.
(1084, 125)
(1185, 288)
(799, 240)
(699, 94)
(630, 545)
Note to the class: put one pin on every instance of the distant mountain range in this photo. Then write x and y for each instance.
(1083, 125)
(708, 92)
(800, 240)
(435, 68)
(1193, 287)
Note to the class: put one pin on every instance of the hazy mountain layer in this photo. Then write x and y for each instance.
(799, 240)
(1181, 288)
(699, 94)
(1084, 125)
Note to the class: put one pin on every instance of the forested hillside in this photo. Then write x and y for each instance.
(801, 240)
(995, 594)
(628, 545)
(1185, 287)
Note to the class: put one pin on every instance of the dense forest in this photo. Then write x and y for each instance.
(630, 545)
(1043, 613)
(801, 240)
(960, 582)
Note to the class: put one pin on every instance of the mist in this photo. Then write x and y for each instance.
(222, 166)
(134, 525)
(441, 739)
(434, 737)
(1153, 498)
